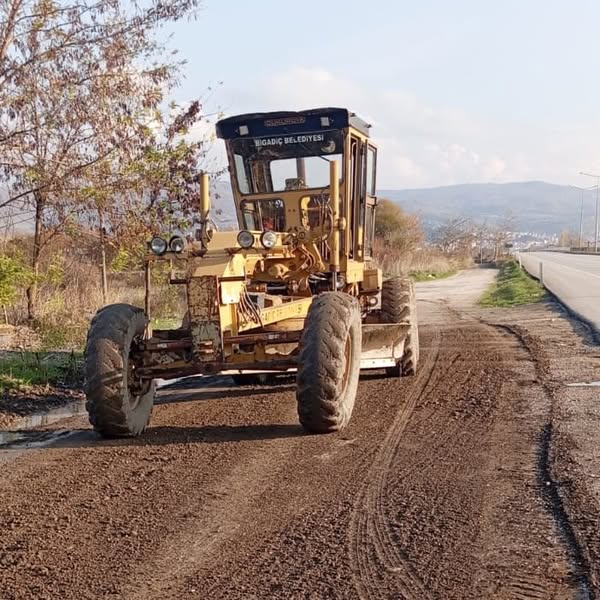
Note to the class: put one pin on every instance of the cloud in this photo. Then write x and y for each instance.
(429, 144)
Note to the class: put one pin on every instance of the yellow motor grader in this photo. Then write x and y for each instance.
(295, 289)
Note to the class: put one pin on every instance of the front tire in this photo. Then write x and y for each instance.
(329, 363)
(119, 404)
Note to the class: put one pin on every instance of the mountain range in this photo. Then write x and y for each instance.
(535, 206)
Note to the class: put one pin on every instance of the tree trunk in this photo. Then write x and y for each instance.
(104, 281)
(35, 257)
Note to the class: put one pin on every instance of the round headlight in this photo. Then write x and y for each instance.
(268, 239)
(158, 245)
(177, 244)
(245, 239)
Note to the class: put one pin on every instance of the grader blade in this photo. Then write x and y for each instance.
(382, 345)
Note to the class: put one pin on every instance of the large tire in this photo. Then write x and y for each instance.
(329, 362)
(118, 405)
(399, 304)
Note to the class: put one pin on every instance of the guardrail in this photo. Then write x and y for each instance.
(576, 289)
(583, 250)
(562, 250)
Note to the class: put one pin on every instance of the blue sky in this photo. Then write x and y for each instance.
(457, 91)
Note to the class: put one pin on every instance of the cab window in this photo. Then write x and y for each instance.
(262, 215)
(371, 169)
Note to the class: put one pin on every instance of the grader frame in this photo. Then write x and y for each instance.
(251, 293)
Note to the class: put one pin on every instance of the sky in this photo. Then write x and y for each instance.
(457, 91)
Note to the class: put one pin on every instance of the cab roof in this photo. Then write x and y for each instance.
(282, 122)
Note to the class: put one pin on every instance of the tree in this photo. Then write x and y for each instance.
(456, 236)
(81, 86)
(502, 233)
(158, 191)
(568, 239)
(397, 228)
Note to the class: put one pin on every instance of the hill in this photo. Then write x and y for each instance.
(535, 205)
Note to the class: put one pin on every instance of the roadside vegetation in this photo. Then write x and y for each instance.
(513, 287)
(95, 158)
(401, 247)
(431, 275)
(19, 371)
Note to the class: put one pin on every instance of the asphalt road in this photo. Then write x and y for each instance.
(573, 278)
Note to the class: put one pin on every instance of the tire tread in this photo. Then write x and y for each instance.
(322, 406)
(111, 333)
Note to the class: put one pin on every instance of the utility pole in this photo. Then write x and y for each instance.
(580, 244)
(597, 203)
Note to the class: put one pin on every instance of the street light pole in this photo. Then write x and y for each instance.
(596, 226)
(597, 202)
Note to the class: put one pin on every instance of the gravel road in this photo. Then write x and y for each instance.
(469, 480)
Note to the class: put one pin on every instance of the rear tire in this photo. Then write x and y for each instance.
(329, 363)
(399, 304)
(118, 404)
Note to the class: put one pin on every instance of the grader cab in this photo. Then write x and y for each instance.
(294, 290)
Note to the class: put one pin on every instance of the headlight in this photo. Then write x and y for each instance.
(158, 245)
(177, 244)
(268, 239)
(245, 239)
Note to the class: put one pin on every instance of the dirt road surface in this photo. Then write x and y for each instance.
(477, 478)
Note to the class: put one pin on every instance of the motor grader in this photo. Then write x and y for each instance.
(296, 289)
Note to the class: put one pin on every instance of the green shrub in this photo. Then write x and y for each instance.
(15, 275)
(55, 271)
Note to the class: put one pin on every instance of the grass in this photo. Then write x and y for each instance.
(513, 287)
(22, 370)
(431, 275)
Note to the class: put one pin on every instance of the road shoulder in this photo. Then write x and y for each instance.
(567, 361)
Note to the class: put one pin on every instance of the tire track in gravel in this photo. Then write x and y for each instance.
(380, 564)
(551, 492)
(531, 586)
(384, 569)
(549, 487)
(482, 466)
